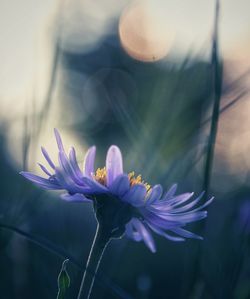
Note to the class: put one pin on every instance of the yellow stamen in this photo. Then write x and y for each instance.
(137, 180)
(101, 177)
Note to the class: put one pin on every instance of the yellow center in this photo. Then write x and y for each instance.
(101, 177)
(137, 180)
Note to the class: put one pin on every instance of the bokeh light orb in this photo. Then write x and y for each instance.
(143, 33)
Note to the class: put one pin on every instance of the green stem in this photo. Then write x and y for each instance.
(52, 248)
(99, 244)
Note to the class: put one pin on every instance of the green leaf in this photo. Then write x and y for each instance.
(63, 281)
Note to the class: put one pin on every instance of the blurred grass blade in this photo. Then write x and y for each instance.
(63, 281)
(216, 67)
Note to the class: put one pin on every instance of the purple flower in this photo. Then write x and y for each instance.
(137, 208)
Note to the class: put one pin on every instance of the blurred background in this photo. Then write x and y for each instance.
(139, 74)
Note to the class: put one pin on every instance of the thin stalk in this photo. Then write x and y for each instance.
(216, 88)
(52, 248)
(216, 96)
(99, 244)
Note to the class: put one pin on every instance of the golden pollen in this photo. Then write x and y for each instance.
(101, 175)
(137, 180)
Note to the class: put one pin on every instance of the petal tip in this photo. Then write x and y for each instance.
(93, 148)
(114, 164)
(153, 250)
(114, 150)
(89, 161)
(25, 174)
(58, 140)
(56, 131)
(211, 199)
(114, 147)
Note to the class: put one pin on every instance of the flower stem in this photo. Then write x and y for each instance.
(99, 244)
(60, 253)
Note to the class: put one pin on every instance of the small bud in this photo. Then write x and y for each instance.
(63, 281)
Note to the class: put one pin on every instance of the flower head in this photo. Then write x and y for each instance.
(124, 202)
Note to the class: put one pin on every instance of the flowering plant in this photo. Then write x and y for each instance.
(123, 202)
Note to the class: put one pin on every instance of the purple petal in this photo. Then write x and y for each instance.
(42, 182)
(68, 169)
(183, 218)
(145, 234)
(44, 169)
(136, 195)
(184, 233)
(68, 184)
(114, 164)
(188, 206)
(171, 192)
(160, 232)
(131, 233)
(94, 185)
(75, 198)
(46, 156)
(155, 194)
(156, 219)
(203, 206)
(73, 162)
(65, 180)
(167, 205)
(120, 185)
(180, 199)
(89, 161)
(59, 140)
